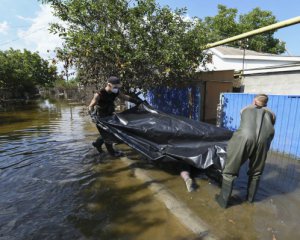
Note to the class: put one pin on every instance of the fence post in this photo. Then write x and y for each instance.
(219, 111)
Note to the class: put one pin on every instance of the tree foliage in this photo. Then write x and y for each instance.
(145, 44)
(62, 84)
(227, 23)
(24, 71)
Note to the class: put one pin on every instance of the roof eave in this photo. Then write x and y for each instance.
(256, 57)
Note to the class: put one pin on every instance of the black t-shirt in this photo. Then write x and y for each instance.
(105, 104)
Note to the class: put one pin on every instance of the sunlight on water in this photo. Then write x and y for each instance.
(53, 185)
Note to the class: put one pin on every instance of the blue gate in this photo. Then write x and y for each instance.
(287, 127)
(179, 101)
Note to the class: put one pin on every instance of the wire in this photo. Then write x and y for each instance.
(21, 26)
(16, 39)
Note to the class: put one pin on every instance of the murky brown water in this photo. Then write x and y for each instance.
(275, 214)
(53, 184)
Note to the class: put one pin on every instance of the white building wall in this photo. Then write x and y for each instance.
(271, 74)
(278, 83)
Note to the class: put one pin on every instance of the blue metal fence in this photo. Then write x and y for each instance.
(287, 127)
(179, 101)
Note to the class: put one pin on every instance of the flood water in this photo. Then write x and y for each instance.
(274, 215)
(54, 185)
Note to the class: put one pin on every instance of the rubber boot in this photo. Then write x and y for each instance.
(252, 189)
(223, 198)
(98, 144)
(112, 151)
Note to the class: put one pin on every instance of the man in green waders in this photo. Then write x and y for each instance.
(103, 101)
(251, 141)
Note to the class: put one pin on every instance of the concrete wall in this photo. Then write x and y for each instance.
(273, 83)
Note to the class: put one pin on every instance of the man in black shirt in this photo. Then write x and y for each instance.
(103, 101)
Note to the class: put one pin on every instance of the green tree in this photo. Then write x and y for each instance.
(258, 18)
(145, 44)
(227, 23)
(24, 71)
(62, 84)
(223, 25)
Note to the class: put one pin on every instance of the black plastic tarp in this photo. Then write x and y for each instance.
(158, 135)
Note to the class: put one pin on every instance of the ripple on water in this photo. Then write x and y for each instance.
(42, 169)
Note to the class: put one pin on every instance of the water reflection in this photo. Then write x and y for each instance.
(53, 185)
(41, 167)
(46, 105)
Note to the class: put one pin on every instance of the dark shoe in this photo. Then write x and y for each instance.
(98, 147)
(117, 154)
(112, 151)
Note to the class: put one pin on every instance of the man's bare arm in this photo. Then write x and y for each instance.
(124, 96)
(129, 99)
(93, 102)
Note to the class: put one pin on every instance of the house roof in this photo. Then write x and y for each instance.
(237, 53)
(225, 50)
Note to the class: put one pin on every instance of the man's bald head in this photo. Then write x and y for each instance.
(261, 100)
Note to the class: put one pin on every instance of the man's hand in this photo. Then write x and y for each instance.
(137, 101)
(94, 119)
(92, 115)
